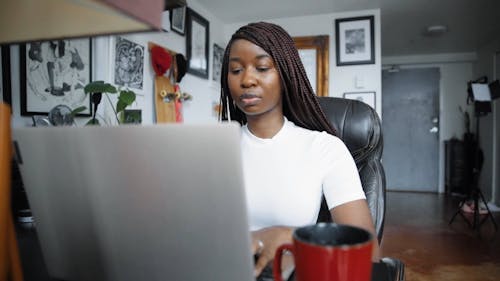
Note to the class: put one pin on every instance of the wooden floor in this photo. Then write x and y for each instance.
(418, 233)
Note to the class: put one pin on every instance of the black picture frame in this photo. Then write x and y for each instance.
(218, 56)
(178, 20)
(6, 78)
(367, 97)
(132, 116)
(355, 40)
(197, 44)
(73, 60)
(129, 63)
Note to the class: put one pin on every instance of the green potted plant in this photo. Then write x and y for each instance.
(96, 89)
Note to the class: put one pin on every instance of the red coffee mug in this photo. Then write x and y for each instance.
(328, 252)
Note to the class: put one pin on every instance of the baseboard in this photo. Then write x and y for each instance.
(493, 207)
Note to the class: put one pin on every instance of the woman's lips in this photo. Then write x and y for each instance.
(249, 99)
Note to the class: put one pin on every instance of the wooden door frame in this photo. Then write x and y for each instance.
(321, 44)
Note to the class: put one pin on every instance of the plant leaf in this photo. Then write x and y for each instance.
(120, 106)
(127, 97)
(99, 87)
(77, 110)
(93, 122)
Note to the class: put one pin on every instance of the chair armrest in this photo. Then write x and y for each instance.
(395, 268)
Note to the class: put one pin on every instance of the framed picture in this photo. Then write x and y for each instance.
(178, 20)
(197, 38)
(5, 81)
(366, 97)
(313, 52)
(355, 40)
(132, 116)
(53, 73)
(129, 63)
(217, 62)
(166, 17)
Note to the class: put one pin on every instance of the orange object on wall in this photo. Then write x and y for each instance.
(178, 104)
(165, 111)
(165, 108)
(10, 265)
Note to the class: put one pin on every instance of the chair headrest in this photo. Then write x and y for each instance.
(356, 123)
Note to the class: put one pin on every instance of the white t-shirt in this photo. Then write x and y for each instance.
(286, 175)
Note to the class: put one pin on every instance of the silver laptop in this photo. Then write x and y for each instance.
(160, 202)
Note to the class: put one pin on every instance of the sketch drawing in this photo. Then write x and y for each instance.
(129, 63)
(217, 62)
(55, 73)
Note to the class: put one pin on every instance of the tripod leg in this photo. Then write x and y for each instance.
(455, 215)
(489, 212)
(459, 212)
(476, 211)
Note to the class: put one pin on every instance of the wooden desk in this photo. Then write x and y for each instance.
(34, 267)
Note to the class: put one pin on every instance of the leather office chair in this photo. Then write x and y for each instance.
(358, 125)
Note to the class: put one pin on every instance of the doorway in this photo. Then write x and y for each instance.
(410, 107)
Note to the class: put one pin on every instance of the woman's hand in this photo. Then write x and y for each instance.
(266, 241)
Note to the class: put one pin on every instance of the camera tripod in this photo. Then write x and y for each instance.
(475, 194)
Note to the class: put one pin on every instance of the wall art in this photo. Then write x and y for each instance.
(129, 63)
(54, 73)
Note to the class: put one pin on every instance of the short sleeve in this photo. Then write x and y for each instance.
(341, 182)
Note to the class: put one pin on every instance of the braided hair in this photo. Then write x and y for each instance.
(300, 104)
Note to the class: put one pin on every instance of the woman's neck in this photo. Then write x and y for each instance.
(265, 128)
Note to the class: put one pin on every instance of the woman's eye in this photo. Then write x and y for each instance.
(235, 70)
(262, 68)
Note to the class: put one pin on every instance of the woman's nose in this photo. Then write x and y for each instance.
(248, 79)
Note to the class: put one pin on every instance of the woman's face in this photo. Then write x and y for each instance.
(253, 80)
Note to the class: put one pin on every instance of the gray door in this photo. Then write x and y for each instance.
(410, 103)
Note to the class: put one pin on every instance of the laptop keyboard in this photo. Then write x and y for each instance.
(266, 275)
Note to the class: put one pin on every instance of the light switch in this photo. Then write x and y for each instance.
(359, 82)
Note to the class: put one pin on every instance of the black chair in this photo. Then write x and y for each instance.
(358, 125)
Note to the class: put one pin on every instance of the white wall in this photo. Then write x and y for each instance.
(489, 180)
(205, 92)
(455, 71)
(341, 78)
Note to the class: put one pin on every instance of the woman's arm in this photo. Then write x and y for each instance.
(356, 213)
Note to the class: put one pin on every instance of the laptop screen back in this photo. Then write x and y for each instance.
(161, 202)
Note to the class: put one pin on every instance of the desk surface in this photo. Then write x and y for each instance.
(34, 267)
(380, 272)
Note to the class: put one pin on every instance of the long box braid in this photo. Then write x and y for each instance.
(300, 104)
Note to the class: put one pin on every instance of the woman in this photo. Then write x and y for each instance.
(291, 156)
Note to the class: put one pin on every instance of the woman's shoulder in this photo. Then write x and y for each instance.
(324, 140)
(316, 137)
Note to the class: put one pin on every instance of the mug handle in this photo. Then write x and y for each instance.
(277, 260)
